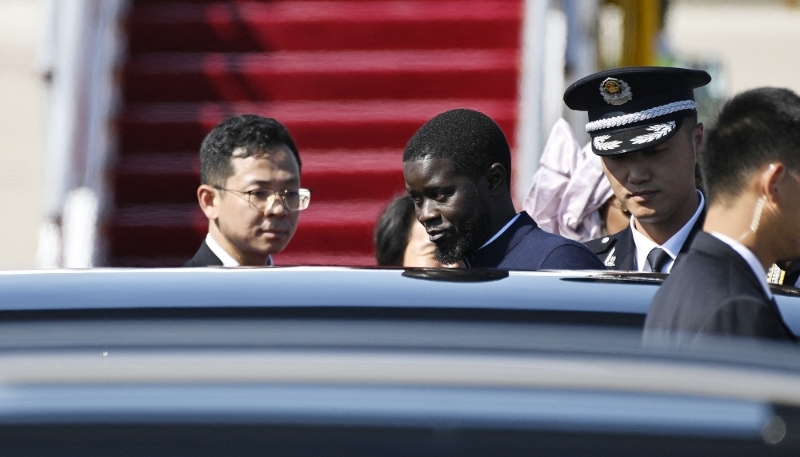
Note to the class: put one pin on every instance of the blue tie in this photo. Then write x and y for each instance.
(657, 258)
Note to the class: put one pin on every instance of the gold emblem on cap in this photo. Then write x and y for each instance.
(615, 91)
(612, 87)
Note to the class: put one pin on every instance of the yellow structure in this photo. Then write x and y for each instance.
(642, 23)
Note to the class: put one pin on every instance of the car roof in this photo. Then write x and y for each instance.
(323, 286)
(590, 297)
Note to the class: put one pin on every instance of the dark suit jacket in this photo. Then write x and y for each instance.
(524, 246)
(711, 292)
(618, 251)
(203, 258)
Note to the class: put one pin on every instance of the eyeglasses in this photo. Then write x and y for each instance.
(263, 199)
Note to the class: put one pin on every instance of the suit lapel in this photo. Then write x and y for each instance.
(698, 227)
(204, 257)
(624, 250)
(208, 256)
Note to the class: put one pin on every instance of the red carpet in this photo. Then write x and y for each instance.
(352, 80)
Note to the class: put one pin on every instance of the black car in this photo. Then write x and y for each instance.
(338, 361)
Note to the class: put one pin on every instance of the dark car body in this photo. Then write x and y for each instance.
(339, 361)
(596, 298)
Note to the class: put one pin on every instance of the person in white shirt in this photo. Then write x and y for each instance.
(570, 194)
(250, 192)
(643, 124)
(751, 171)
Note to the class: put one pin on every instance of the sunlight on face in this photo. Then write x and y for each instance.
(655, 183)
(420, 249)
(449, 204)
(249, 231)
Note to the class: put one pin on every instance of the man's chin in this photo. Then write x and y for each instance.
(645, 214)
(270, 243)
(266, 249)
(454, 249)
(448, 253)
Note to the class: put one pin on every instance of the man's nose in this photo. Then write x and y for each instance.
(638, 169)
(427, 211)
(275, 209)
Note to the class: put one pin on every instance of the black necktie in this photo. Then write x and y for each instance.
(657, 258)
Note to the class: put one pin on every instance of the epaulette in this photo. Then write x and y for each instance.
(775, 275)
(601, 245)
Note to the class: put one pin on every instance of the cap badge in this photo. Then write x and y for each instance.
(615, 91)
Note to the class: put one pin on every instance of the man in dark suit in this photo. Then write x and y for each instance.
(457, 169)
(250, 192)
(643, 124)
(751, 171)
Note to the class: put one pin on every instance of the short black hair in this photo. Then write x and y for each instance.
(254, 134)
(394, 231)
(754, 128)
(472, 140)
(689, 123)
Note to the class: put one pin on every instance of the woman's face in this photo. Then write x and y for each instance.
(419, 251)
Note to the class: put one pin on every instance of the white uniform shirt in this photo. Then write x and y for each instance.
(644, 245)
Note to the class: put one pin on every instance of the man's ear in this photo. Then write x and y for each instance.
(771, 180)
(207, 196)
(697, 139)
(496, 178)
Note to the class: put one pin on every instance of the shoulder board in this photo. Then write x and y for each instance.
(601, 245)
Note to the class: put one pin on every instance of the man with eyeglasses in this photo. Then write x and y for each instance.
(250, 192)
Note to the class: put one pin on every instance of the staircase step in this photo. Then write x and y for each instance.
(325, 25)
(351, 79)
(139, 3)
(176, 231)
(334, 176)
(314, 125)
(321, 76)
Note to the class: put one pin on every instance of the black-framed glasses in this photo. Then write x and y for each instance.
(263, 199)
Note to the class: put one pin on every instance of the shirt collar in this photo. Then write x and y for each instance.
(748, 257)
(502, 230)
(672, 246)
(222, 254)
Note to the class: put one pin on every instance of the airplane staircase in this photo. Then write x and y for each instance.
(351, 79)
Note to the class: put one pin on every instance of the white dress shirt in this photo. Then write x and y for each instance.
(644, 245)
(222, 254)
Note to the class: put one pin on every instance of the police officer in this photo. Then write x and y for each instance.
(643, 124)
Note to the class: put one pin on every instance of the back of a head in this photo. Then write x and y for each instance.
(753, 129)
(253, 134)
(393, 230)
(472, 140)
